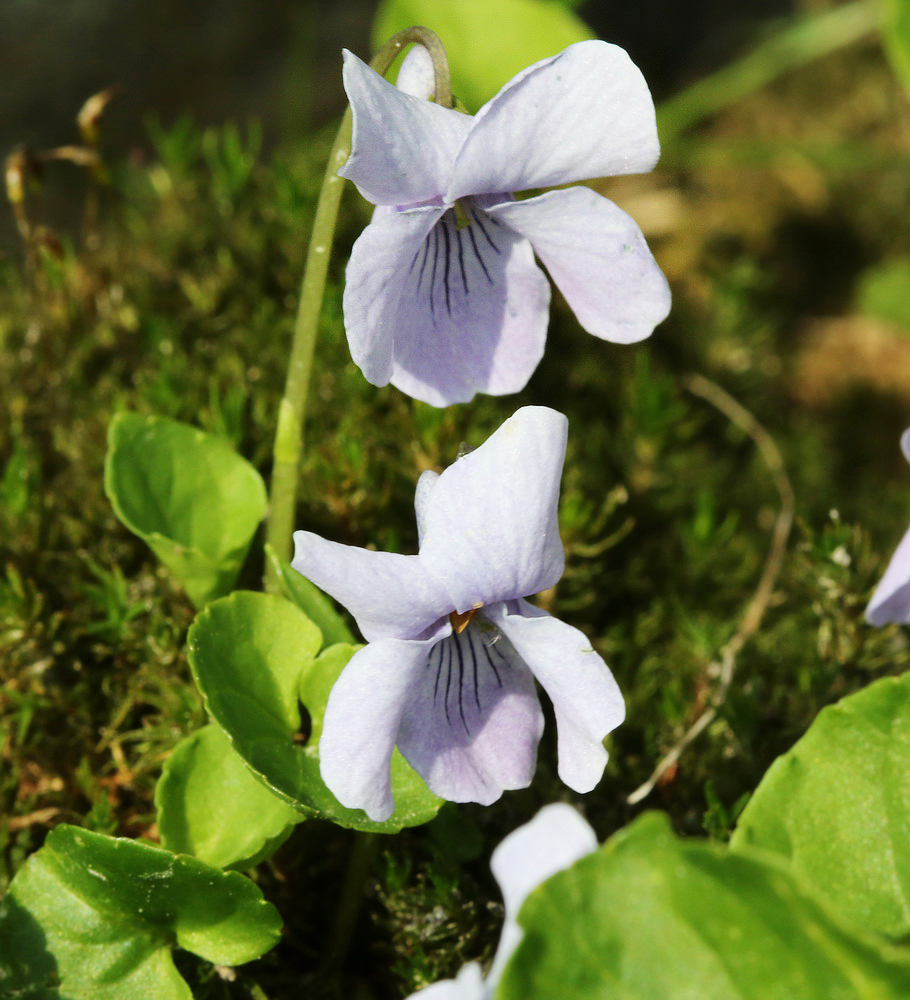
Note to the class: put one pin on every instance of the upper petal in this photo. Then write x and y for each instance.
(598, 257)
(417, 76)
(555, 839)
(445, 312)
(473, 719)
(403, 148)
(361, 723)
(490, 523)
(390, 595)
(586, 698)
(891, 600)
(584, 113)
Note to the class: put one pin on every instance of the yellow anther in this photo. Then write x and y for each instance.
(461, 619)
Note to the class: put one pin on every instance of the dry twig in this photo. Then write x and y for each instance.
(748, 626)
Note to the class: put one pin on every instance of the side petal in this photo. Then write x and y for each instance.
(473, 722)
(891, 600)
(490, 524)
(555, 839)
(378, 279)
(586, 698)
(403, 147)
(390, 595)
(445, 312)
(598, 257)
(425, 486)
(584, 113)
(361, 723)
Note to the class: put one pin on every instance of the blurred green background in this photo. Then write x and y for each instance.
(277, 61)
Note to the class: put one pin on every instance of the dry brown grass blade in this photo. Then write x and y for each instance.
(737, 414)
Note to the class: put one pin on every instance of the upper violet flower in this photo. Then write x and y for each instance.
(891, 600)
(443, 297)
(554, 840)
(453, 647)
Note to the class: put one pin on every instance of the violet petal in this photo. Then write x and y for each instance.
(597, 256)
(584, 113)
(585, 696)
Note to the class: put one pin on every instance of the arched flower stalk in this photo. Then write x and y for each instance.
(443, 296)
(453, 647)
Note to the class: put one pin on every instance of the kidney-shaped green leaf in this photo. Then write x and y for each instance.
(188, 495)
(838, 807)
(649, 916)
(98, 916)
(487, 41)
(254, 659)
(212, 806)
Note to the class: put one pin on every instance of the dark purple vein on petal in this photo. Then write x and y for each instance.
(448, 253)
(457, 640)
(492, 648)
(448, 681)
(483, 267)
(436, 656)
(423, 262)
(476, 217)
(474, 667)
(464, 276)
(433, 272)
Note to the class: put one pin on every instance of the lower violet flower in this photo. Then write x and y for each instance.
(554, 840)
(453, 647)
(891, 600)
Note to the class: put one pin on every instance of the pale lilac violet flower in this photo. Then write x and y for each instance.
(554, 840)
(453, 647)
(443, 298)
(891, 600)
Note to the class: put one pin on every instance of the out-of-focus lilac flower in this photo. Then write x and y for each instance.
(891, 600)
(453, 647)
(555, 839)
(443, 297)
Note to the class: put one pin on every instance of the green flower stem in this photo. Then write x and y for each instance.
(288, 446)
(292, 409)
(804, 40)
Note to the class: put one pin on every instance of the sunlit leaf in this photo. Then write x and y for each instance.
(487, 41)
(652, 916)
(837, 806)
(210, 805)
(254, 659)
(895, 15)
(98, 916)
(884, 291)
(188, 495)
